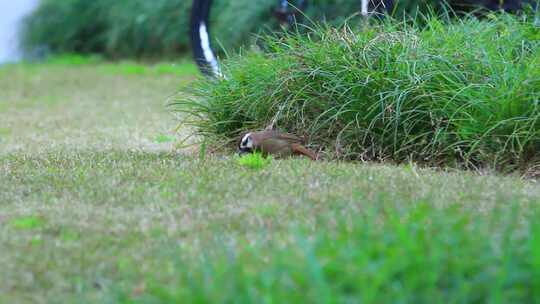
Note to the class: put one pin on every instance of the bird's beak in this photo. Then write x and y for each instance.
(243, 151)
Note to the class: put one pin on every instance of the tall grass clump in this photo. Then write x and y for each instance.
(462, 92)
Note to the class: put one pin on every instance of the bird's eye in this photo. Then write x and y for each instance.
(246, 142)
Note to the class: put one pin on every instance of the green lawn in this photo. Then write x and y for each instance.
(96, 206)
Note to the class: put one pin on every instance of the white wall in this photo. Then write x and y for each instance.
(11, 14)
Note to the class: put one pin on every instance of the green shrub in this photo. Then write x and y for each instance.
(461, 92)
(113, 28)
(66, 26)
(147, 28)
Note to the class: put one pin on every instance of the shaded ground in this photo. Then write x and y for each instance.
(95, 206)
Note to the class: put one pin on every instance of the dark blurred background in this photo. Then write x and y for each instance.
(159, 28)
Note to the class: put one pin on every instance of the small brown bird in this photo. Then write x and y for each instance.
(275, 143)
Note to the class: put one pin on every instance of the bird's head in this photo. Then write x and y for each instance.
(246, 144)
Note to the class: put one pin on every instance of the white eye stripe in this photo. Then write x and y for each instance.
(246, 141)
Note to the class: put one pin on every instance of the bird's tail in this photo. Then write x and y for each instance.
(299, 149)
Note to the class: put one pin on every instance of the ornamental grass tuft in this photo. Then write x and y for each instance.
(449, 92)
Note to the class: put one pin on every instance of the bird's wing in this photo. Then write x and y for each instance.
(289, 137)
(299, 149)
(275, 146)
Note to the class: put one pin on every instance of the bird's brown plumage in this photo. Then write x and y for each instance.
(279, 144)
